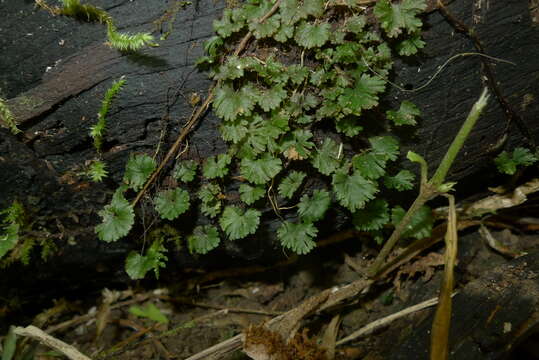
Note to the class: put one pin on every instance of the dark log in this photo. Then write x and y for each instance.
(55, 71)
(495, 316)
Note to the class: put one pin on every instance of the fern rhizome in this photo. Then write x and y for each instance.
(297, 86)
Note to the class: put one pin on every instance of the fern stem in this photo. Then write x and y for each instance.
(431, 189)
(439, 176)
(399, 230)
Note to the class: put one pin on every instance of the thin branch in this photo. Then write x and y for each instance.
(434, 185)
(38, 334)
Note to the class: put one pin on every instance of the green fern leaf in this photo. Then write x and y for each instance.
(348, 126)
(297, 145)
(405, 115)
(234, 130)
(290, 12)
(290, 184)
(185, 170)
(402, 181)
(411, 45)
(297, 73)
(228, 103)
(136, 265)
(225, 26)
(396, 17)
(312, 8)
(249, 194)
(363, 96)
(327, 159)
(230, 70)
(419, 227)
(118, 218)
(137, 170)
(356, 24)
(209, 195)
(311, 35)
(264, 29)
(261, 170)
(297, 237)
(272, 98)
(204, 239)
(373, 217)
(237, 224)
(212, 46)
(284, 33)
(387, 147)
(370, 165)
(508, 163)
(352, 191)
(216, 166)
(172, 203)
(312, 208)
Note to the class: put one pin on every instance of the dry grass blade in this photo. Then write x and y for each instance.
(377, 324)
(439, 347)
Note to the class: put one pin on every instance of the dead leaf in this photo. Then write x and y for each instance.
(497, 244)
(425, 265)
(292, 154)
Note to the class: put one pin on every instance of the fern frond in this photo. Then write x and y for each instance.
(7, 117)
(126, 41)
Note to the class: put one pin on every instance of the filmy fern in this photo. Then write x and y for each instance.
(137, 265)
(118, 218)
(507, 163)
(297, 113)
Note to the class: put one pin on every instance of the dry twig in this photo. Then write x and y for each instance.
(58, 345)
